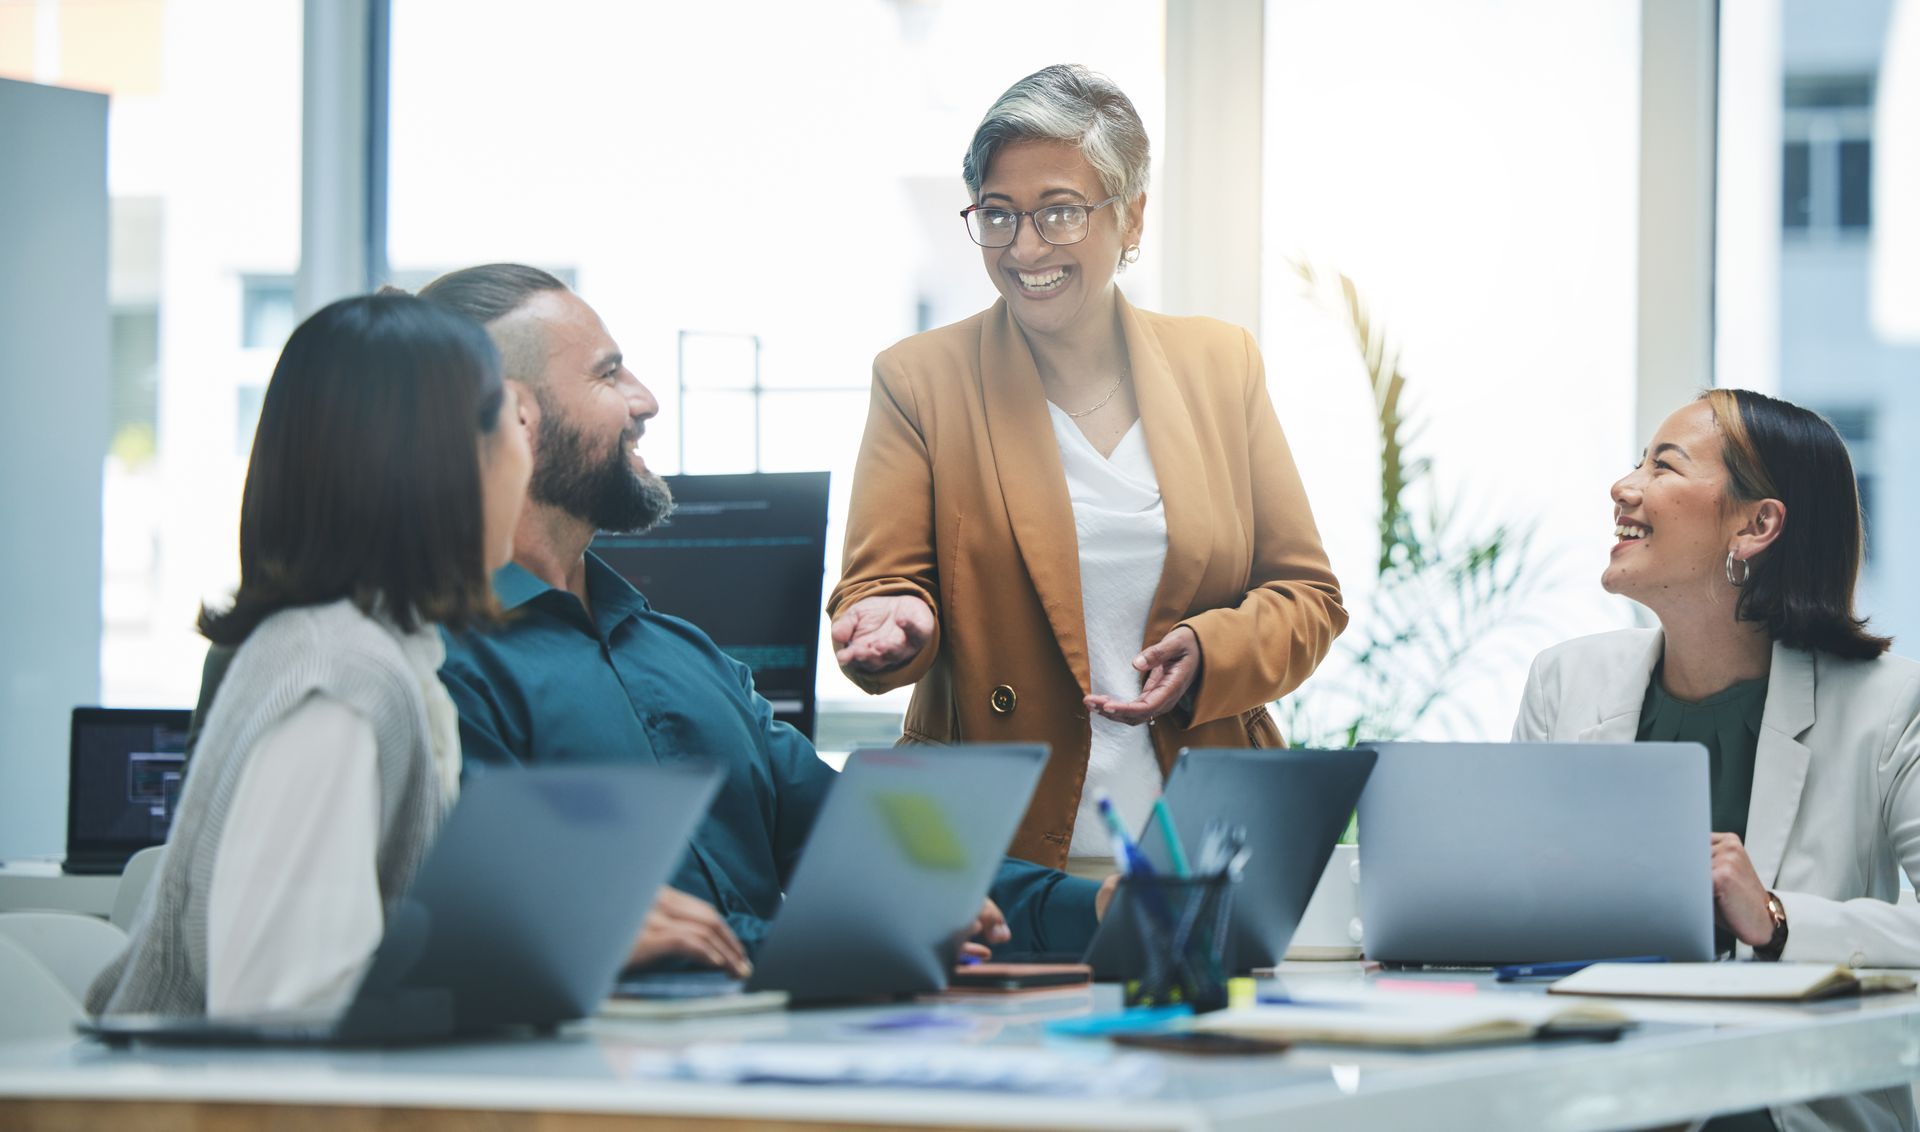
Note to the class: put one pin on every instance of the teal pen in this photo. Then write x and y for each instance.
(1133, 1020)
(1172, 836)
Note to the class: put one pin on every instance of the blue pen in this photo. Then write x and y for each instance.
(1567, 967)
(1132, 862)
(1126, 855)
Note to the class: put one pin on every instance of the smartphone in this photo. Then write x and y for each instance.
(1018, 976)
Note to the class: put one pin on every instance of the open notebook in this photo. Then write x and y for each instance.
(1418, 1022)
(1755, 982)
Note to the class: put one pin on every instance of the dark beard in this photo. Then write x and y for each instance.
(604, 491)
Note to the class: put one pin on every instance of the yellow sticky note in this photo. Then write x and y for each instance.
(921, 829)
(1242, 994)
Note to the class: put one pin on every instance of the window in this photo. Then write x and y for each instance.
(1796, 301)
(1474, 174)
(203, 171)
(1827, 154)
(266, 311)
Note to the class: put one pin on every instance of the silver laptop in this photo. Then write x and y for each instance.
(521, 915)
(898, 862)
(1487, 853)
(1293, 803)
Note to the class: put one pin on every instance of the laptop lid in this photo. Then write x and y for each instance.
(743, 557)
(528, 903)
(900, 858)
(1293, 803)
(125, 768)
(522, 913)
(1488, 853)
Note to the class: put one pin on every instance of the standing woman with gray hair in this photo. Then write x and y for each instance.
(1074, 521)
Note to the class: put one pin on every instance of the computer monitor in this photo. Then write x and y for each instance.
(125, 770)
(743, 557)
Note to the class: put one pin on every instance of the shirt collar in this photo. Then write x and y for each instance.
(515, 585)
(612, 595)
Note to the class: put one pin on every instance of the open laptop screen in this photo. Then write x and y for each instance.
(125, 770)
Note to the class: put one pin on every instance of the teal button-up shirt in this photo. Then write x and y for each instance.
(554, 685)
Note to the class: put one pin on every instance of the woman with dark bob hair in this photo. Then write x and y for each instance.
(1740, 529)
(387, 475)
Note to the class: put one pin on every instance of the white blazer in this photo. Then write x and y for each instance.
(1835, 809)
(1836, 792)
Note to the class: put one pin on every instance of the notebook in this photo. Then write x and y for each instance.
(1417, 1022)
(1757, 982)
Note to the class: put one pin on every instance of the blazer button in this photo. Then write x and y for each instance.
(1002, 700)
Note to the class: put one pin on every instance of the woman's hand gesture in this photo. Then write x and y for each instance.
(879, 634)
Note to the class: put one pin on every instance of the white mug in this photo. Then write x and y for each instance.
(1330, 927)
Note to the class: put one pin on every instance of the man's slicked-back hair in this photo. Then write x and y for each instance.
(490, 291)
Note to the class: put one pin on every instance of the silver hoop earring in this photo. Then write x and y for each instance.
(1131, 255)
(1746, 571)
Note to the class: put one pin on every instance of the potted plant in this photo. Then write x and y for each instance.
(1445, 591)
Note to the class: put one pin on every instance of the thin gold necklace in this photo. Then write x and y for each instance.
(1101, 403)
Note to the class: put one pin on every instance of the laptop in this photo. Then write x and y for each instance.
(125, 767)
(1293, 803)
(900, 858)
(521, 916)
(1489, 853)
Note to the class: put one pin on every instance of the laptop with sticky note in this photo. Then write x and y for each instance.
(898, 863)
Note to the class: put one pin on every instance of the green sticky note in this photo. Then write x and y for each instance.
(921, 829)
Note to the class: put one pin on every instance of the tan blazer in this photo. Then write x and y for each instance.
(1835, 814)
(959, 498)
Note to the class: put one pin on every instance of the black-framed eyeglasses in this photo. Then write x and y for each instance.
(1056, 223)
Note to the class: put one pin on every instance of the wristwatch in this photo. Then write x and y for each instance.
(1778, 942)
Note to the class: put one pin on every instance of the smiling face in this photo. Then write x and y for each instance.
(588, 414)
(1052, 288)
(1673, 521)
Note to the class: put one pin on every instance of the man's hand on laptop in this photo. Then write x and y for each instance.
(686, 927)
(989, 926)
(1103, 899)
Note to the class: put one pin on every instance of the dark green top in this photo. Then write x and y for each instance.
(1727, 724)
(557, 685)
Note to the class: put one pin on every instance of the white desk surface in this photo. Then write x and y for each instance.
(40, 886)
(1663, 1072)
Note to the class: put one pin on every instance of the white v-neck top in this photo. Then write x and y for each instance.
(1121, 527)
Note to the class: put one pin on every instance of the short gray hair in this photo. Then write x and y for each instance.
(1068, 103)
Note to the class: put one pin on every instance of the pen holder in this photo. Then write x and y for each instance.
(1181, 923)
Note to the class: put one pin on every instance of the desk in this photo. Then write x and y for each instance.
(40, 886)
(586, 1079)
